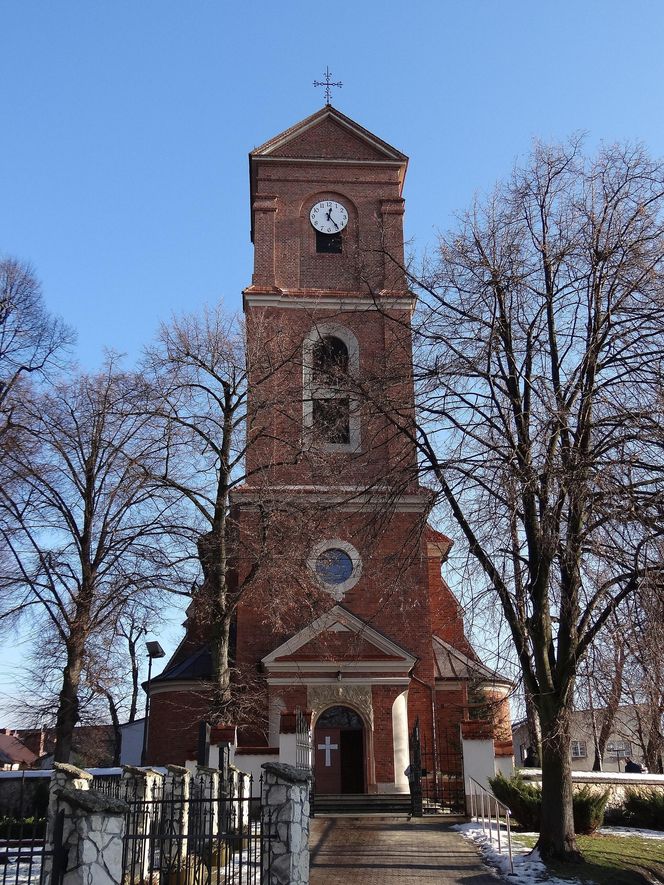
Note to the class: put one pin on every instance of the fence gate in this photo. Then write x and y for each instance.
(436, 774)
(302, 740)
(303, 751)
(23, 845)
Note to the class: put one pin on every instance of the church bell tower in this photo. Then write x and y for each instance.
(328, 286)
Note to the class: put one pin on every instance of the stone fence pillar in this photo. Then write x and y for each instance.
(90, 828)
(96, 832)
(285, 824)
(141, 787)
(177, 785)
(205, 790)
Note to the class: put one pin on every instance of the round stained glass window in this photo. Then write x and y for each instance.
(334, 566)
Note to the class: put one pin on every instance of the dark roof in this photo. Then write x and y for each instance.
(197, 665)
(451, 663)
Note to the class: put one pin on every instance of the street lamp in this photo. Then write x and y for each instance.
(154, 651)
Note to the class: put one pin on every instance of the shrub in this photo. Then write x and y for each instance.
(23, 828)
(645, 808)
(589, 806)
(524, 800)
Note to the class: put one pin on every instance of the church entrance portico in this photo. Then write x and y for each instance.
(339, 752)
(354, 681)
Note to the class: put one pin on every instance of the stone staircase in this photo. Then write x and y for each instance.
(356, 804)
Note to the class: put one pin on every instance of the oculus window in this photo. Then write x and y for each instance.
(336, 565)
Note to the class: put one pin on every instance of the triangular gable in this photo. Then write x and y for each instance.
(339, 645)
(341, 628)
(328, 134)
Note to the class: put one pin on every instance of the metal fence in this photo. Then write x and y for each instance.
(489, 812)
(23, 842)
(304, 752)
(303, 759)
(436, 773)
(208, 830)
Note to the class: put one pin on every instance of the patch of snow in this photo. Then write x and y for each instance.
(624, 778)
(528, 866)
(631, 831)
(21, 870)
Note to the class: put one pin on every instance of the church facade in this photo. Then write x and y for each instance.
(379, 642)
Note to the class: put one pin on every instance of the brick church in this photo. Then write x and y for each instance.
(384, 644)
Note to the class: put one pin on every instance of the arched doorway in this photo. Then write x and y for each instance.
(339, 751)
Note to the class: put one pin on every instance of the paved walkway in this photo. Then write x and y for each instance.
(345, 851)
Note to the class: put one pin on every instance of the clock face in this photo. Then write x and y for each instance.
(329, 217)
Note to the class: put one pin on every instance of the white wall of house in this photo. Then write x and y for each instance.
(622, 741)
(132, 742)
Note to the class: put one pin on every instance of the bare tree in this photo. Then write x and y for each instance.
(208, 421)
(538, 363)
(643, 684)
(32, 343)
(112, 667)
(78, 521)
(600, 684)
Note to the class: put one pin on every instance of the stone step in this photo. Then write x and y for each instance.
(362, 803)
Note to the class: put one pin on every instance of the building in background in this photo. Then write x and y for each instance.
(625, 739)
(14, 754)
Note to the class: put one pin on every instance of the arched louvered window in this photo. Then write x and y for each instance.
(330, 415)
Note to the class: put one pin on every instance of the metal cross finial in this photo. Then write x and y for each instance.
(327, 83)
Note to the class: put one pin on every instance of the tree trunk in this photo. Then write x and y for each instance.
(653, 748)
(134, 680)
(534, 731)
(557, 840)
(212, 556)
(68, 706)
(613, 702)
(117, 733)
(222, 673)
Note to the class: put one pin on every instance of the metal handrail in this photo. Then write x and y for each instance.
(488, 804)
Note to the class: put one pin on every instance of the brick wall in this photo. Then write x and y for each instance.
(173, 726)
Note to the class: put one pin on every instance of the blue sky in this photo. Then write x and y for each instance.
(126, 125)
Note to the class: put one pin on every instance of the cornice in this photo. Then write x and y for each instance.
(352, 680)
(190, 685)
(338, 302)
(349, 500)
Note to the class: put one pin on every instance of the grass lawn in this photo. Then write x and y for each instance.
(612, 860)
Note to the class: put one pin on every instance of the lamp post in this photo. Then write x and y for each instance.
(154, 651)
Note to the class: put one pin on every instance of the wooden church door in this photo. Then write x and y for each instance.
(328, 760)
(339, 752)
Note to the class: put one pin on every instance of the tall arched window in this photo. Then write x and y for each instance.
(330, 414)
